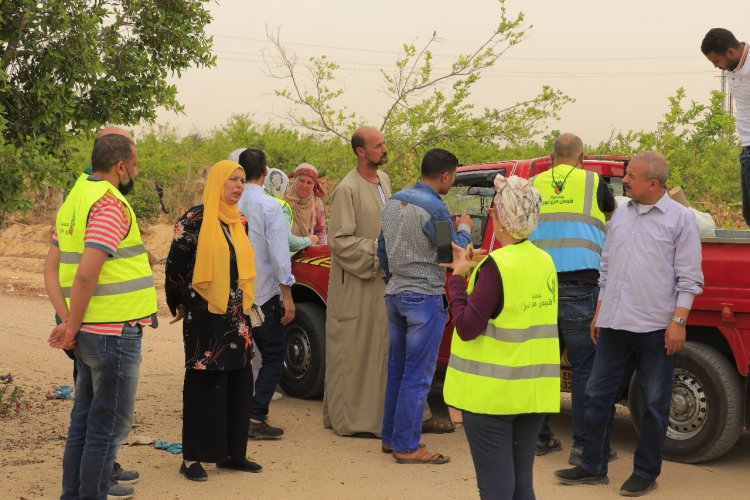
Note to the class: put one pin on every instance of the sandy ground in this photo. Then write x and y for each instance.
(309, 462)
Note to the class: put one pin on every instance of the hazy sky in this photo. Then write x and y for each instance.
(620, 59)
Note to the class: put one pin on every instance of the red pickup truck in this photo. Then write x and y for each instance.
(710, 392)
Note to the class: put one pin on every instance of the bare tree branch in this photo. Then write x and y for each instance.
(288, 61)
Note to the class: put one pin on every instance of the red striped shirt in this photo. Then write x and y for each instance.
(107, 226)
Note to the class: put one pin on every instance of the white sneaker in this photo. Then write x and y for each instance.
(276, 396)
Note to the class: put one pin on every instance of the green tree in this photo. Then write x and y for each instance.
(701, 148)
(427, 107)
(69, 66)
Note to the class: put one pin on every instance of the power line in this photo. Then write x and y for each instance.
(507, 58)
(504, 74)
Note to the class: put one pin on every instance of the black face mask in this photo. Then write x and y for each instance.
(125, 188)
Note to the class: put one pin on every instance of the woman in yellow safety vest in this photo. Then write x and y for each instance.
(504, 369)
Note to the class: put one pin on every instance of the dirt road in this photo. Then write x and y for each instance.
(309, 462)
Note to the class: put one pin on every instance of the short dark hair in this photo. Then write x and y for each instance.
(438, 161)
(358, 141)
(253, 161)
(108, 150)
(718, 41)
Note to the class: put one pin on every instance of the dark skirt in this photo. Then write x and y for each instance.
(216, 414)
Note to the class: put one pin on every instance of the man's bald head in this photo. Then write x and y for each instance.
(368, 143)
(568, 150)
(111, 130)
(360, 135)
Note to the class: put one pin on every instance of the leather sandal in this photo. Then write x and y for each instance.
(421, 456)
(387, 449)
(435, 426)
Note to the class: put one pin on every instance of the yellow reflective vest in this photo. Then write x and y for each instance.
(514, 366)
(571, 225)
(285, 205)
(125, 290)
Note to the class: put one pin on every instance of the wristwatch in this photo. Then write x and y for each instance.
(678, 320)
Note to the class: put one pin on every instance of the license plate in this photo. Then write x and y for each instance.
(566, 378)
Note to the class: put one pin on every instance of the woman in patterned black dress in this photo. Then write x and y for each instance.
(209, 285)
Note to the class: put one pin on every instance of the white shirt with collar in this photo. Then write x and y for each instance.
(266, 228)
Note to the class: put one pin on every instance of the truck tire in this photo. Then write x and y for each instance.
(303, 373)
(706, 414)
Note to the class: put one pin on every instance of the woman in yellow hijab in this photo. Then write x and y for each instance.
(209, 285)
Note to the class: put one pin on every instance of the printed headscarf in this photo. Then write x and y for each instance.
(312, 172)
(517, 203)
(305, 211)
(276, 183)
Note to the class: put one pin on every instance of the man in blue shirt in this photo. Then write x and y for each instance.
(267, 232)
(415, 301)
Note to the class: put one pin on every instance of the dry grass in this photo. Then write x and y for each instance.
(726, 216)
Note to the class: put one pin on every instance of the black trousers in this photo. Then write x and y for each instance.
(216, 414)
(269, 339)
(503, 448)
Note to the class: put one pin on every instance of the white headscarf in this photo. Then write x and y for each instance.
(235, 155)
(276, 183)
(517, 203)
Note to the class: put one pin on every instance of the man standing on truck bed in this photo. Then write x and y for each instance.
(575, 204)
(415, 300)
(650, 273)
(726, 53)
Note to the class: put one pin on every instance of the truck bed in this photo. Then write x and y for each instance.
(729, 236)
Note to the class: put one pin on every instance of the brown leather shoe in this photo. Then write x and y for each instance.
(435, 426)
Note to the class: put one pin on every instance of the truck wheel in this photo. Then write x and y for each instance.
(303, 374)
(706, 413)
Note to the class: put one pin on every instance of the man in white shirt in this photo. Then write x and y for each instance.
(274, 279)
(726, 53)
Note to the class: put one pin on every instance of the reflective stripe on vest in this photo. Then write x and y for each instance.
(125, 288)
(122, 253)
(117, 288)
(514, 366)
(571, 225)
(504, 372)
(521, 335)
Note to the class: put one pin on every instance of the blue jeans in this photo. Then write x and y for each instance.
(618, 352)
(577, 305)
(269, 338)
(415, 325)
(102, 412)
(745, 182)
(502, 449)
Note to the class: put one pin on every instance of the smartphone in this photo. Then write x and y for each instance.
(443, 241)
